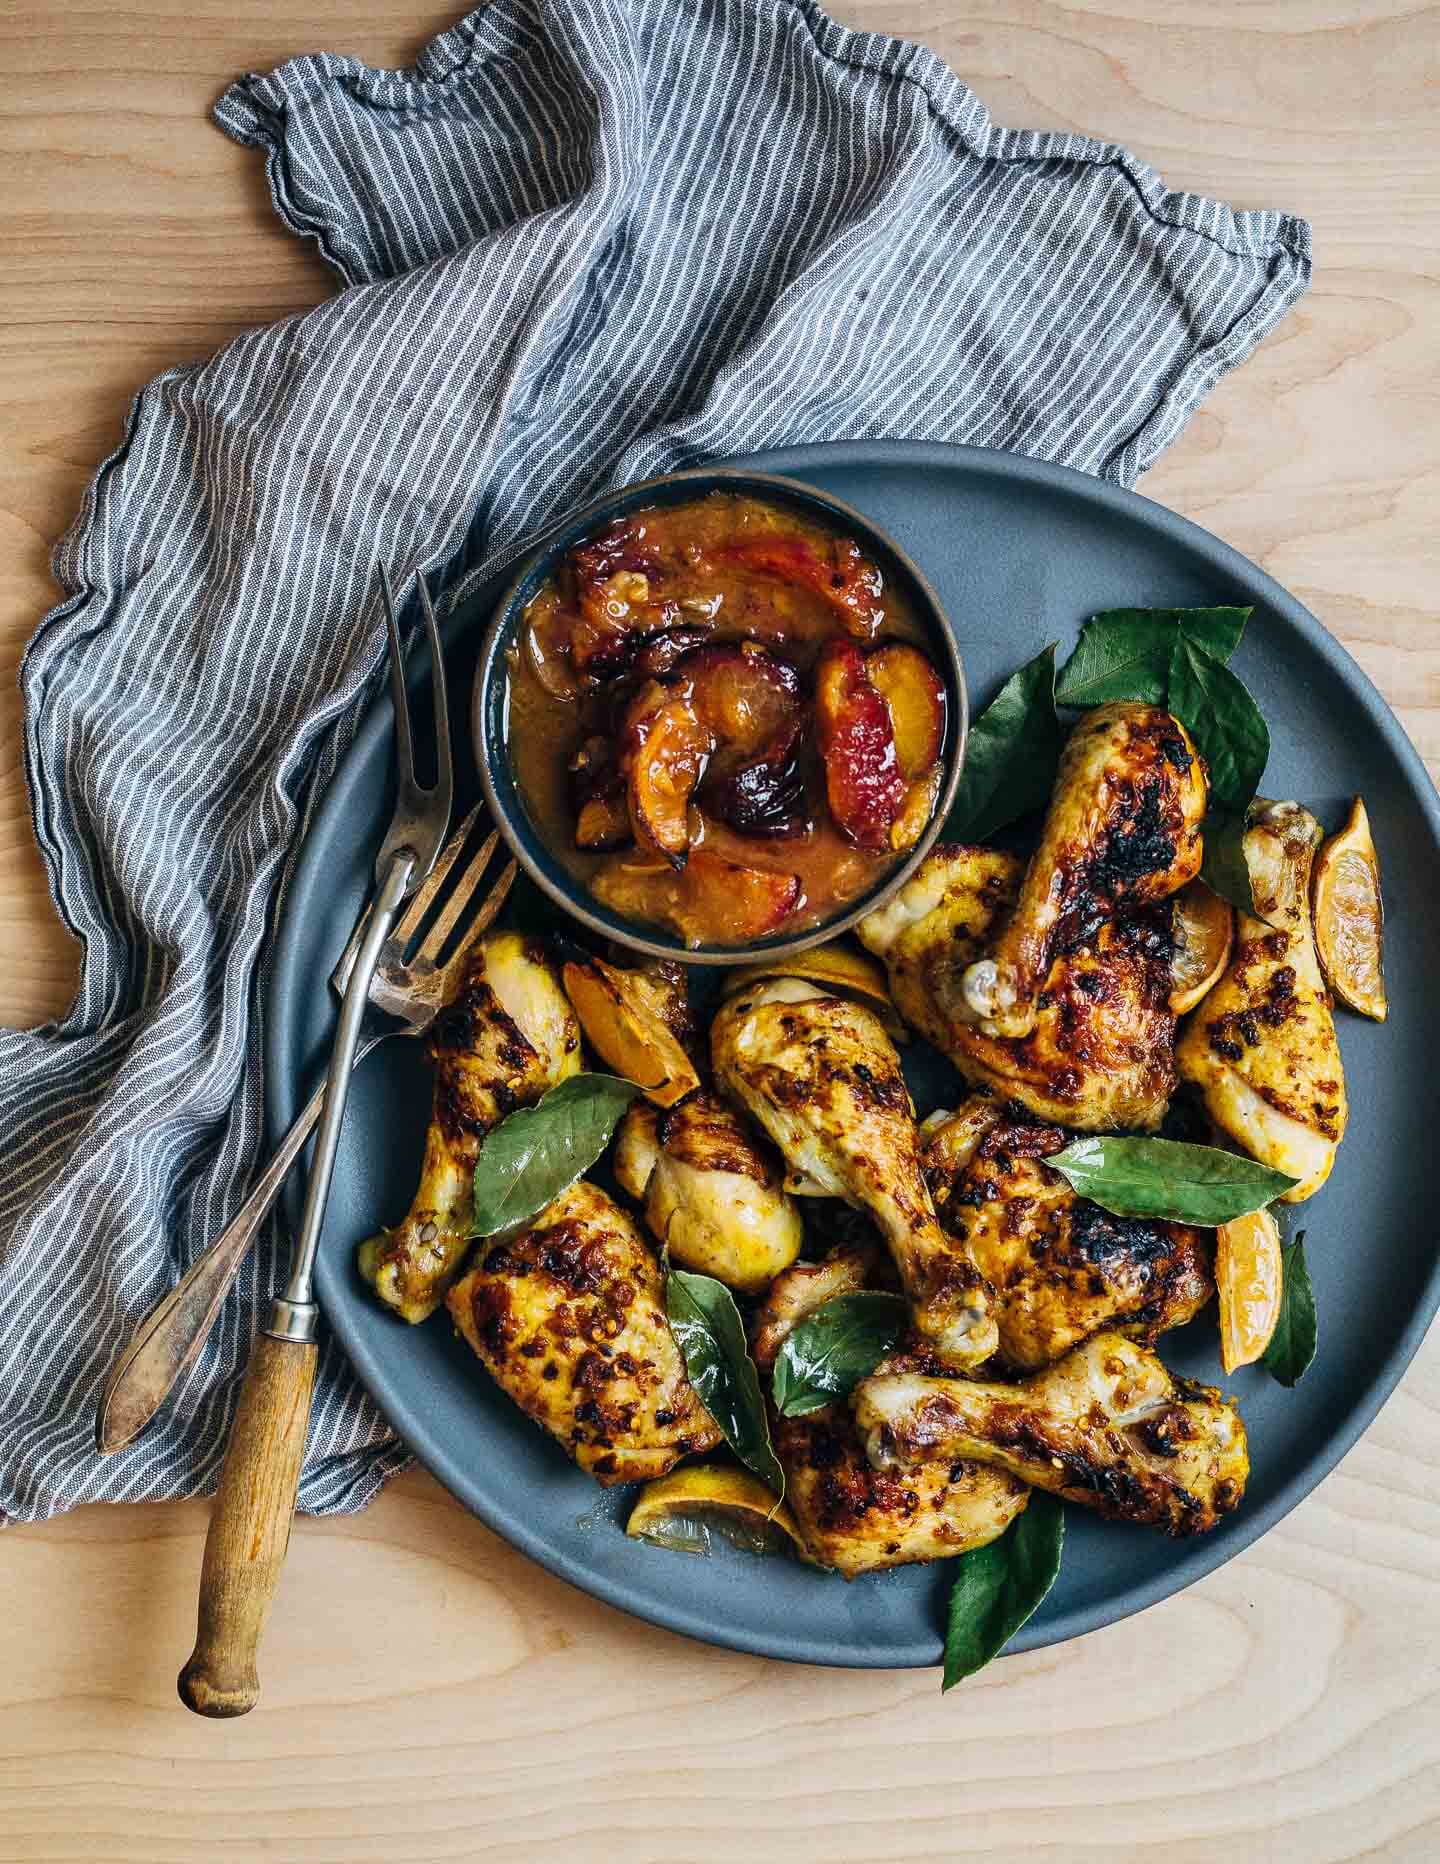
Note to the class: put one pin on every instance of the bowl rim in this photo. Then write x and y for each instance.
(574, 898)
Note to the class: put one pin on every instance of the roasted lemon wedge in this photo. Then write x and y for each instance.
(1349, 917)
(1248, 1281)
(841, 968)
(682, 1511)
(1204, 926)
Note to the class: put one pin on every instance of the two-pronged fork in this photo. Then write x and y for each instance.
(410, 985)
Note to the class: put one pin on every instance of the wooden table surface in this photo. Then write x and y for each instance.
(429, 1694)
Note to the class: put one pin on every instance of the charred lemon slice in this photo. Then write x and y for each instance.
(1248, 1283)
(627, 1032)
(1203, 925)
(684, 1510)
(837, 966)
(1349, 917)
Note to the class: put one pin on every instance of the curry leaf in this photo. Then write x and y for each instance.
(1167, 1178)
(831, 1350)
(1224, 721)
(1011, 754)
(1292, 1344)
(1224, 868)
(1124, 653)
(538, 1152)
(998, 1587)
(708, 1329)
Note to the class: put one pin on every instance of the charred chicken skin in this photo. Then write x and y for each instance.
(1106, 1426)
(1123, 830)
(822, 1078)
(568, 1318)
(853, 1517)
(1061, 1267)
(1100, 1056)
(508, 1036)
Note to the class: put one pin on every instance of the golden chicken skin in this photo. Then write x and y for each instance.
(568, 1318)
(1262, 1047)
(1061, 1267)
(820, 1075)
(1106, 1426)
(1101, 1054)
(853, 1517)
(1122, 830)
(507, 1037)
(711, 1190)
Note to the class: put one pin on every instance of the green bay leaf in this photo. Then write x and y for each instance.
(537, 1152)
(1167, 1178)
(1224, 721)
(1292, 1345)
(1011, 754)
(1224, 868)
(711, 1337)
(831, 1350)
(1125, 653)
(998, 1587)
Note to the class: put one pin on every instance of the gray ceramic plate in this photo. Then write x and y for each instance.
(1020, 553)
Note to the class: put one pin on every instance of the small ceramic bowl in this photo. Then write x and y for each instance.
(490, 705)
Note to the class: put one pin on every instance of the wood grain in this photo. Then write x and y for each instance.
(431, 1695)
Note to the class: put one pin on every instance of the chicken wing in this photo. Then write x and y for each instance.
(851, 1516)
(821, 1076)
(1101, 1054)
(1061, 1267)
(569, 1320)
(1123, 830)
(711, 1190)
(507, 1037)
(1262, 1047)
(1107, 1426)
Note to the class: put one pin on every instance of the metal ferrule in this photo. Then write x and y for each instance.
(292, 1320)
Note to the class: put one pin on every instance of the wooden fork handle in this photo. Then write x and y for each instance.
(250, 1527)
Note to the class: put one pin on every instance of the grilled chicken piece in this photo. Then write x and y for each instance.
(1061, 1267)
(1101, 1054)
(1123, 830)
(508, 1036)
(821, 1076)
(1107, 1426)
(1262, 1046)
(851, 1516)
(569, 1319)
(711, 1189)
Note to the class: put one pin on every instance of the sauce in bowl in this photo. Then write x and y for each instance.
(722, 720)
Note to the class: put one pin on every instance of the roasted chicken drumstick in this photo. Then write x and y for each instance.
(822, 1078)
(1106, 1425)
(1061, 1267)
(509, 1035)
(569, 1319)
(1123, 830)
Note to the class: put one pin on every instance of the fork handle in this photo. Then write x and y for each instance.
(168, 1341)
(250, 1527)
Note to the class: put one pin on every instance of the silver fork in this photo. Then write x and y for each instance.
(413, 989)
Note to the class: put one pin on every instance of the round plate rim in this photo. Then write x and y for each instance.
(1195, 1559)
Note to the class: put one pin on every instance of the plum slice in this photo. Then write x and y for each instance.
(916, 698)
(723, 900)
(666, 747)
(618, 598)
(863, 783)
(844, 576)
(764, 794)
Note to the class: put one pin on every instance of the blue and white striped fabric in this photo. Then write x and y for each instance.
(581, 242)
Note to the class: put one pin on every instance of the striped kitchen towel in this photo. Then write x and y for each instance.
(582, 241)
